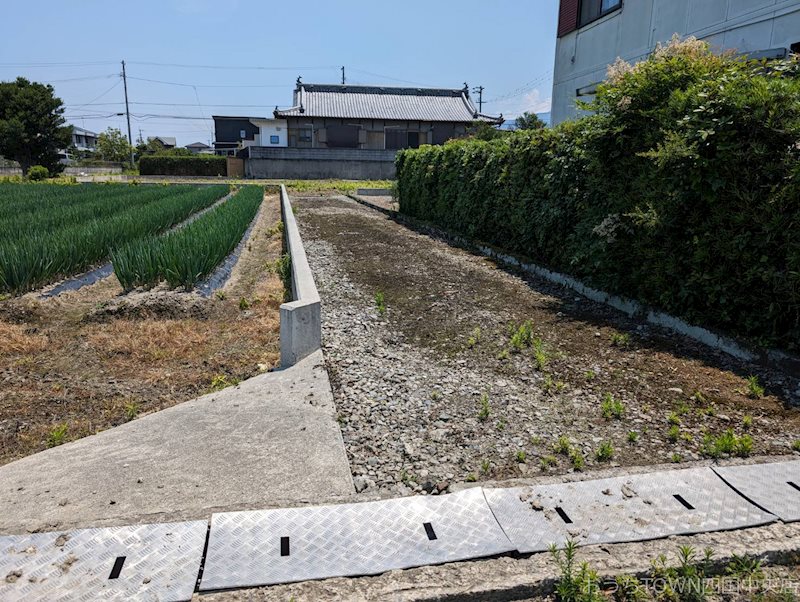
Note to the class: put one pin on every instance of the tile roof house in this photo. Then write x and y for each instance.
(166, 141)
(377, 117)
(346, 131)
(198, 147)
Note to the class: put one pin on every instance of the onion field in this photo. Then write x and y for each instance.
(48, 232)
(185, 256)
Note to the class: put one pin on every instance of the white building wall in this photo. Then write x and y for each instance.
(268, 129)
(632, 33)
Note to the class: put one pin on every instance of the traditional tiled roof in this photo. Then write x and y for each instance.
(165, 140)
(379, 102)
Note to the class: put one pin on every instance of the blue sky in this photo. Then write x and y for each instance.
(258, 49)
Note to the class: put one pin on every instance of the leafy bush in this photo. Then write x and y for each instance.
(38, 172)
(196, 165)
(682, 190)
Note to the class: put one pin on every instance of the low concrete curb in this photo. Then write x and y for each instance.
(374, 191)
(301, 321)
(770, 358)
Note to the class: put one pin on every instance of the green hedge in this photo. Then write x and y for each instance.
(682, 190)
(199, 165)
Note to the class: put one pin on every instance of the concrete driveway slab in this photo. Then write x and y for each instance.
(271, 441)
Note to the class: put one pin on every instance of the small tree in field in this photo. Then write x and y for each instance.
(529, 121)
(32, 126)
(112, 145)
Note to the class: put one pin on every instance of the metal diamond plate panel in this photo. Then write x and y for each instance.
(524, 524)
(146, 562)
(620, 509)
(295, 544)
(775, 487)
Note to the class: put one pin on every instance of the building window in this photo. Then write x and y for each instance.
(242, 134)
(397, 139)
(591, 10)
(274, 140)
(304, 135)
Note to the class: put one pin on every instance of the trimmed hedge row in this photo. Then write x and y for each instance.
(199, 165)
(681, 191)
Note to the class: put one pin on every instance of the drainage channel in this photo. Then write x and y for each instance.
(248, 549)
(96, 274)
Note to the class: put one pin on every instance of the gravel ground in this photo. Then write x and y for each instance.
(433, 387)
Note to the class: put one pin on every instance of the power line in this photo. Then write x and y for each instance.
(100, 96)
(200, 106)
(81, 79)
(395, 79)
(523, 89)
(70, 64)
(176, 104)
(232, 67)
(160, 81)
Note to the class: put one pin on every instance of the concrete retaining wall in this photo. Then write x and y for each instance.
(374, 191)
(301, 321)
(770, 358)
(319, 163)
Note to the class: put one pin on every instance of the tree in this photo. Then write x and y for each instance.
(529, 121)
(32, 126)
(112, 145)
(484, 131)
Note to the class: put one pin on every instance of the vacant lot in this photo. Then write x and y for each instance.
(89, 359)
(447, 368)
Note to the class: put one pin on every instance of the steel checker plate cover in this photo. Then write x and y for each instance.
(768, 485)
(245, 548)
(620, 509)
(161, 563)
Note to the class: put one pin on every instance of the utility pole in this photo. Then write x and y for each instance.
(479, 90)
(343, 75)
(127, 110)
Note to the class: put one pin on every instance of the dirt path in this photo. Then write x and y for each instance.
(91, 359)
(434, 390)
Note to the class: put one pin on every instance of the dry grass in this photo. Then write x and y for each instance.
(62, 365)
(149, 341)
(17, 341)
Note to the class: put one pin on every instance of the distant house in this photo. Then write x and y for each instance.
(378, 117)
(165, 141)
(83, 140)
(199, 147)
(357, 117)
(234, 133)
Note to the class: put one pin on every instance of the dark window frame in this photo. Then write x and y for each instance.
(600, 15)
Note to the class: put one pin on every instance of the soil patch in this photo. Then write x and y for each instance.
(90, 359)
(447, 368)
